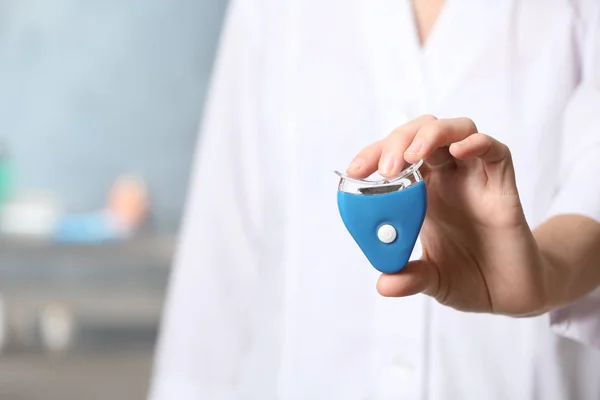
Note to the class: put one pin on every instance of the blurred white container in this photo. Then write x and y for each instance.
(30, 215)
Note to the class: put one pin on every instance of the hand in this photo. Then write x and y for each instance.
(479, 254)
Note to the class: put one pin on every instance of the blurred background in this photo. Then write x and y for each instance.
(99, 107)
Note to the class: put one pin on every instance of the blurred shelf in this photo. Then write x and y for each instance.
(142, 262)
(82, 288)
(149, 250)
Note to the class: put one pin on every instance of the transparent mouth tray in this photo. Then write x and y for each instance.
(405, 179)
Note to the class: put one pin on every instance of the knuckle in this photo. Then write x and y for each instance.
(486, 138)
(483, 138)
(502, 148)
(469, 124)
(432, 131)
(399, 131)
(489, 143)
(427, 117)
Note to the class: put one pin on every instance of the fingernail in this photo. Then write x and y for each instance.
(414, 148)
(356, 165)
(387, 164)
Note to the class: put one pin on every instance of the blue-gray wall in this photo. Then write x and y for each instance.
(90, 89)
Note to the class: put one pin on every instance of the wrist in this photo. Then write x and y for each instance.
(569, 246)
(556, 281)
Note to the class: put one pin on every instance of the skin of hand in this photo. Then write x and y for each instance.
(479, 253)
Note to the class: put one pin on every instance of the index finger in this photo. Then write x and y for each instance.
(368, 160)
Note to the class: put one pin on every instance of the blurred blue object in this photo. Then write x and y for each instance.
(96, 227)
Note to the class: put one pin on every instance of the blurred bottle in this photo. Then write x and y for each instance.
(128, 202)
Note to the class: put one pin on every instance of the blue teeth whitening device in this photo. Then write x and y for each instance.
(384, 217)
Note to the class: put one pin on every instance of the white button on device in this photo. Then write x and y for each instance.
(386, 233)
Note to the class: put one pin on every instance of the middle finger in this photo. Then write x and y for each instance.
(435, 135)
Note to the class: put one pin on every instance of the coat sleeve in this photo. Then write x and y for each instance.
(207, 320)
(580, 168)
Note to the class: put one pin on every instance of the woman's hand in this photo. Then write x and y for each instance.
(479, 254)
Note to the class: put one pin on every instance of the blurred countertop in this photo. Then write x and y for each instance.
(142, 262)
(148, 250)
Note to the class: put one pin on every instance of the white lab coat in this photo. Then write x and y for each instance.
(270, 297)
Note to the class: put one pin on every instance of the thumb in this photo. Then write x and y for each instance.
(417, 277)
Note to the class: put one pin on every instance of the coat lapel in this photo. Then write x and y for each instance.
(390, 49)
(410, 79)
(463, 33)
